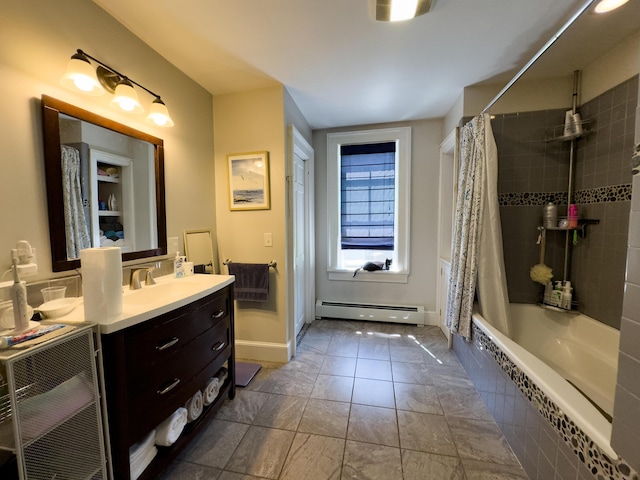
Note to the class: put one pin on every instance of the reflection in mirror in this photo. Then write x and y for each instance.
(105, 186)
(536, 161)
(199, 249)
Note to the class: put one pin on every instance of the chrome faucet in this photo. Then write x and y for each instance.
(134, 283)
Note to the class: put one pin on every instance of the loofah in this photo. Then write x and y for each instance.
(541, 273)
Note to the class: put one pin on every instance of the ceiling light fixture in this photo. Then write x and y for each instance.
(398, 10)
(81, 76)
(605, 6)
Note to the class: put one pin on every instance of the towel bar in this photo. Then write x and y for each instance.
(272, 263)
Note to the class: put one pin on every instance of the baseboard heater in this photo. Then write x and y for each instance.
(413, 314)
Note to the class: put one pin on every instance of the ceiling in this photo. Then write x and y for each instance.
(340, 66)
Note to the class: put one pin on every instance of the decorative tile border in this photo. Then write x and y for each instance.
(612, 193)
(530, 199)
(590, 454)
(635, 160)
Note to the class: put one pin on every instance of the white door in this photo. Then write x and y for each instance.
(299, 231)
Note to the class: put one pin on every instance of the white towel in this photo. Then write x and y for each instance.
(141, 454)
(210, 391)
(135, 470)
(168, 431)
(222, 375)
(194, 406)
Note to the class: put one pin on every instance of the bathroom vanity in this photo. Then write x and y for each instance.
(170, 339)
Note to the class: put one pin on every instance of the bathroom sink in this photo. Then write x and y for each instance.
(167, 294)
(162, 292)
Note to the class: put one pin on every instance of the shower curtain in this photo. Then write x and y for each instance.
(75, 224)
(477, 260)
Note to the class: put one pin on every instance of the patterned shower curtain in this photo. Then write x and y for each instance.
(75, 224)
(476, 256)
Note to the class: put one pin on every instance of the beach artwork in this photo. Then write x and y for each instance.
(249, 181)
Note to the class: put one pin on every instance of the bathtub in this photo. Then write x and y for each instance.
(553, 350)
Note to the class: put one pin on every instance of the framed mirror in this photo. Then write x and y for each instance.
(105, 186)
(198, 248)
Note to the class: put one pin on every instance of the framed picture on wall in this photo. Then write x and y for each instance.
(249, 181)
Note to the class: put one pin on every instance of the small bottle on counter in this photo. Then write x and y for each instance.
(178, 266)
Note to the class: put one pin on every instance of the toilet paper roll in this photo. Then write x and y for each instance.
(194, 406)
(101, 283)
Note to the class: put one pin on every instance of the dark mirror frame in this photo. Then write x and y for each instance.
(51, 110)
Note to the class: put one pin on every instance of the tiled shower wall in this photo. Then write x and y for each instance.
(532, 168)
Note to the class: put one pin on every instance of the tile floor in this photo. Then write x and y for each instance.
(359, 401)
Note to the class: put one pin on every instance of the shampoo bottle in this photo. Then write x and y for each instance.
(566, 296)
(550, 214)
(573, 216)
(548, 289)
(19, 300)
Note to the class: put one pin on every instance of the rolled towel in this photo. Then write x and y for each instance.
(210, 391)
(194, 406)
(168, 431)
(222, 375)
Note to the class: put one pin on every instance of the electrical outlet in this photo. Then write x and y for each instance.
(268, 240)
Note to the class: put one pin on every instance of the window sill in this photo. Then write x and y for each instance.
(364, 276)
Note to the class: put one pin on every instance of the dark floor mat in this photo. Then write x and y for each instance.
(245, 372)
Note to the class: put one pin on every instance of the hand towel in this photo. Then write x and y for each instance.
(210, 391)
(168, 431)
(252, 281)
(194, 406)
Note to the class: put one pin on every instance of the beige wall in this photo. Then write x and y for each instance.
(426, 136)
(37, 38)
(249, 122)
(611, 69)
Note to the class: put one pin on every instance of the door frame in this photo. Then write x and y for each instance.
(298, 145)
(448, 186)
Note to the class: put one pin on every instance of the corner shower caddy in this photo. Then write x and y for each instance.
(557, 134)
(50, 414)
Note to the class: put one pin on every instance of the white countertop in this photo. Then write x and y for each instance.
(150, 301)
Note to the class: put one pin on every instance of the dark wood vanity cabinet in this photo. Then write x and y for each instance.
(153, 368)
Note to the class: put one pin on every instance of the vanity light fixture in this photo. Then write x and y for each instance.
(398, 10)
(605, 6)
(81, 76)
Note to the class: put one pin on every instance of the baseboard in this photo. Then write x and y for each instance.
(431, 318)
(265, 351)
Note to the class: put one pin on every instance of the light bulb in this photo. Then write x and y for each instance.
(126, 98)
(80, 75)
(605, 6)
(159, 115)
(403, 10)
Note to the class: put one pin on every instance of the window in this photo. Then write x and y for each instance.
(368, 202)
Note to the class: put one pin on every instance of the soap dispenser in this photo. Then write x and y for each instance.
(178, 266)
